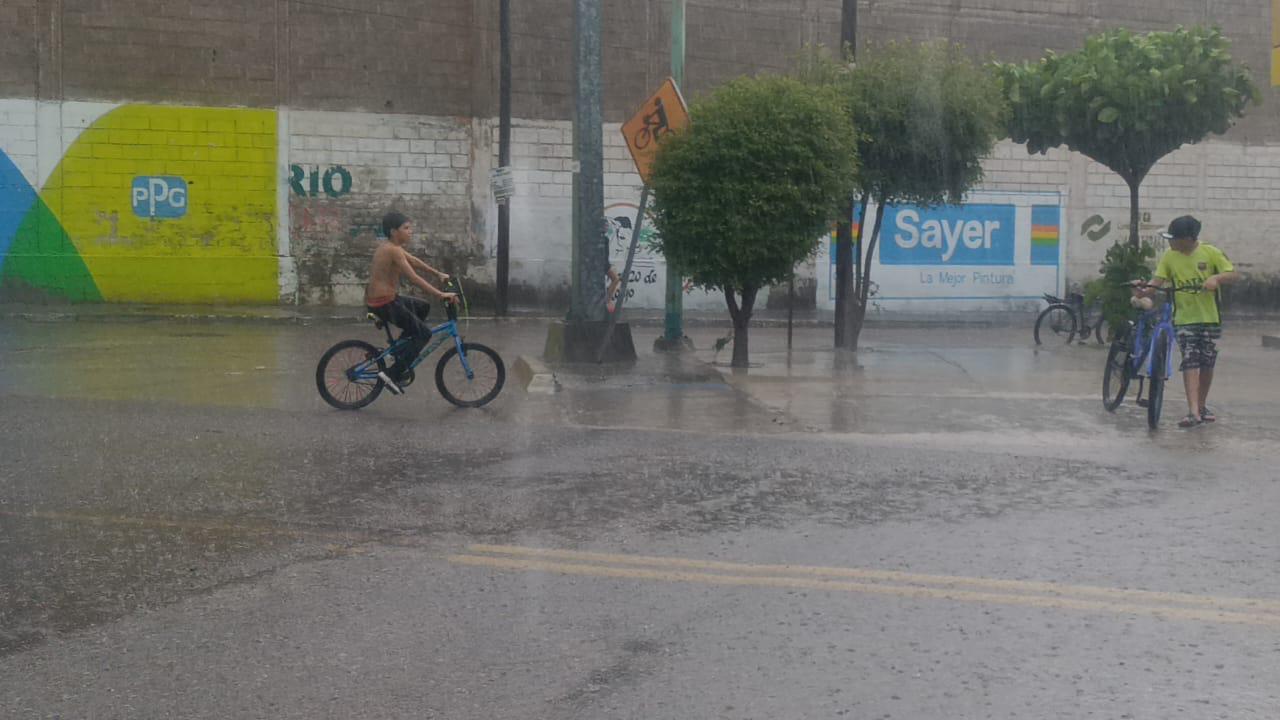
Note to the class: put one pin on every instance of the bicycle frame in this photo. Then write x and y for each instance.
(367, 371)
(1144, 342)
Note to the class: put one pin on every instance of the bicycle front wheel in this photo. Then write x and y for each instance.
(477, 387)
(1156, 383)
(339, 382)
(1056, 324)
(1115, 378)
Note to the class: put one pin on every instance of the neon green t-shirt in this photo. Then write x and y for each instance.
(1178, 269)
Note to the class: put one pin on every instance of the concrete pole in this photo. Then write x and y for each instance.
(673, 324)
(591, 251)
(504, 153)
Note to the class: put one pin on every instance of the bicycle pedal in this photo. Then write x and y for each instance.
(386, 380)
(1143, 402)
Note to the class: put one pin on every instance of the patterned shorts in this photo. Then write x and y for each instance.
(1199, 349)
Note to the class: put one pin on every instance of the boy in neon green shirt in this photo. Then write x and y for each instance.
(1196, 318)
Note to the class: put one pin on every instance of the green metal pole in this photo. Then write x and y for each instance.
(674, 319)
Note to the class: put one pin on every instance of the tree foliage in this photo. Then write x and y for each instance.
(1128, 99)
(926, 116)
(1123, 263)
(745, 193)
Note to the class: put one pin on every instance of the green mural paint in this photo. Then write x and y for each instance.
(43, 263)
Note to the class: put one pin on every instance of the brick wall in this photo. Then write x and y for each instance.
(1229, 186)
(347, 169)
(1024, 29)
(18, 48)
(18, 134)
(216, 53)
(394, 56)
(390, 104)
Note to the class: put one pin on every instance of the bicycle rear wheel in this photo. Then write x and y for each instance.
(1056, 324)
(474, 389)
(337, 380)
(1115, 378)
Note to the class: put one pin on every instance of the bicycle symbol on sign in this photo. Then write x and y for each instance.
(655, 125)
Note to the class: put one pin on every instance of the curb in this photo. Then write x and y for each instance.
(534, 376)
(355, 318)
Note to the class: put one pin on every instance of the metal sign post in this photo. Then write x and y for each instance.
(626, 275)
(663, 113)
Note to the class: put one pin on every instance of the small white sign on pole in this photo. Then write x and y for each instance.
(503, 183)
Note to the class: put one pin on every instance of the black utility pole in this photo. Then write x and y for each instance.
(845, 312)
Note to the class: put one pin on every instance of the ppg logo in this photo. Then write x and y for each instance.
(159, 197)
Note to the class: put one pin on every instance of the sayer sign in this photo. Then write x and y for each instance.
(949, 235)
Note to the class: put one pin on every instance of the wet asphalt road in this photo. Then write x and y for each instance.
(947, 526)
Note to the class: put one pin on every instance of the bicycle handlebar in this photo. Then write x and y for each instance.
(1167, 289)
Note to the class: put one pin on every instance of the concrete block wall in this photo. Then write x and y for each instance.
(1230, 186)
(345, 170)
(392, 105)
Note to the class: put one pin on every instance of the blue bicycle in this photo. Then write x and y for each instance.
(352, 373)
(1144, 350)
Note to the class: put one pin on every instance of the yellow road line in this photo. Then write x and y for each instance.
(944, 581)
(196, 524)
(1055, 603)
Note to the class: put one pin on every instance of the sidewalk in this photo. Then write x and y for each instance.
(321, 314)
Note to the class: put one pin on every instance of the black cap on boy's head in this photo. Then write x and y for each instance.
(1185, 227)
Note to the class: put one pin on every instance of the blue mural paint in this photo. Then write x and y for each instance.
(17, 197)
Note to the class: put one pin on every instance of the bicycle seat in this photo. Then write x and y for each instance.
(377, 322)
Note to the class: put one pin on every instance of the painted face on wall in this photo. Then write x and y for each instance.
(620, 233)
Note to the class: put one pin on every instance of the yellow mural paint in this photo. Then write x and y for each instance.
(173, 204)
(1275, 43)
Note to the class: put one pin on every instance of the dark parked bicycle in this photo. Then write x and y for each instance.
(1066, 319)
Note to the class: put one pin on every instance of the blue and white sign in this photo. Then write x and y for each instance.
(163, 197)
(949, 235)
(976, 257)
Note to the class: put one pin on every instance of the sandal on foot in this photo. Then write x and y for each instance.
(1207, 415)
(1189, 421)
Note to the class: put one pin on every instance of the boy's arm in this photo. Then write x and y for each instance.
(1147, 288)
(419, 264)
(406, 269)
(1213, 282)
(1227, 275)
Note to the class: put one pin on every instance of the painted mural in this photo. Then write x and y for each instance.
(148, 203)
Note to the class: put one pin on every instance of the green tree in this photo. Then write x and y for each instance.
(926, 117)
(1128, 99)
(745, 193)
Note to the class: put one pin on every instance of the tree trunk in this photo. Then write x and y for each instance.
(1134, 215)
(864, 277)
(844, 275)
(741, 323)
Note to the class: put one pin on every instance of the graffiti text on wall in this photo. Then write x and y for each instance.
(309, 182)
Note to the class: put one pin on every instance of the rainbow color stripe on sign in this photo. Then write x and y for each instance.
(1046, 233)
(856, 228)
